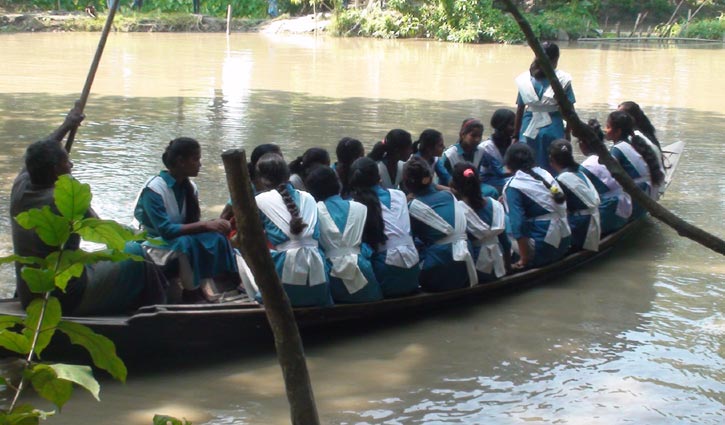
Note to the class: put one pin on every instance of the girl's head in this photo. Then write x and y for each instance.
(620, 125)
(552, 52)
(312, 157)
(502, 123)
(471, 133)
(640, 119)
(272, 171)
(258, 153)
(465, 182)
(397, 146)
(417, 175)
(363, 176)
(183, 157)
(364, 173)
(561, 156)
(519, 157)
(322, 183)
(429, 144)
(348, 150)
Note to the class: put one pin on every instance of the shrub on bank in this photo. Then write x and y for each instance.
(710, 29)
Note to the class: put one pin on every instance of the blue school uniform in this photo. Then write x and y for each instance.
(492, 170)
(578, 213)
(440, 272)
(640, 175)
(442, 176)
(339, 211)
(609, 203)
(486, 215)
(160, 210)
(396, 264)
(305, 279)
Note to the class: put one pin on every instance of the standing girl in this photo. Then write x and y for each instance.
(387, 230)
(290, 221)
(348, 150)
(439, 223)
(486, 224)
(342, 222)
(536, 208)
(391, 154)
(492, 170)
(429, 147)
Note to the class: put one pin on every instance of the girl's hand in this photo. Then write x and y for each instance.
(218, 225)
(519, 265)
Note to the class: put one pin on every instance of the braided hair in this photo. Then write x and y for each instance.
(561, 152)
(465, 181)
(642, 123)
(364, 175)
(348, 150)
(273, 172)
(623, 121)
(520, 157)
(178, 149)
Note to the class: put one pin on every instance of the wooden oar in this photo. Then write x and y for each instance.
(81, 104)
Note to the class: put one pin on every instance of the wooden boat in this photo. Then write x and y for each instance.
(174, 328)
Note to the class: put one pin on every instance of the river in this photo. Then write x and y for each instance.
(635, 337)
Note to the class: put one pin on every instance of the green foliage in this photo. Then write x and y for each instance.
(711, 29)
(24, 414)
(51, 318)
(169, 420)
(101, 349)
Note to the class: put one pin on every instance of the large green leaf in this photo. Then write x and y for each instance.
(169, 420)
(72, 198)
(80, 375)
(24, 414)
(14, 342)
(62, 278)
(106, 232)
(22, 260)
(101, 349)
(48, 385)
(50, 321)
(38, 280)
(9, 321)
(52, 229)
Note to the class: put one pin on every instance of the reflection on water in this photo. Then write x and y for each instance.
(635, 337)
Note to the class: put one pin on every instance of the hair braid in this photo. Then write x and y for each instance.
(296, 225)
(650, 157)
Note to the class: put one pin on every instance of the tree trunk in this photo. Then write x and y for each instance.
(276, 304)
(586, 134)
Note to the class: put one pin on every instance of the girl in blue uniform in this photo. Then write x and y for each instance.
(582, 199)
(486, 224)
(387, 230)
(538, 120)
(391, 154)
(347, 151)
(168, 208)
(536, 208)
(439, 224)
(301, 166)
(291, 223)
(468, 149)
(430, 146)
(492, 170)
(342, 222)
(638, 159)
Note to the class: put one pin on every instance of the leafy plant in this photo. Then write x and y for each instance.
(30, 336)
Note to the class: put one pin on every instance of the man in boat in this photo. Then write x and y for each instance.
(104, 287)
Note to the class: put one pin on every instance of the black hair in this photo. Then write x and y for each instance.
(641, 121)
(311, 158)
(561, 152)
(621, 120)
(348, 150)
(364, 175)
(395, 141)
(427, 141)
(322, 182)
(41, 158)
(552, 52)
(597, 127)
(417, 175)
(274, 173)
(258, 153)
(501, 119)
(466, 183)
(181, 148)
(467, 127)
(520, 157)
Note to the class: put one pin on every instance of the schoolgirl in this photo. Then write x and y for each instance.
(468, 149)
(492, 169)
(430, 146)
(347, 151)
(390, 155)
(301, 166)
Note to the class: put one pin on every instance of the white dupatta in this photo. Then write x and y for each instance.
(454, 156)
(585, 191)
(455, 235)
(537, 191)
(400, 248)
(539, 107)
(490, 257)
(385, 180)
(303, 258)
(624, 201)
(343, 249)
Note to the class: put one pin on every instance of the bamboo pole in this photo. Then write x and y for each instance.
(81, 104)
(586, 134)
(279, 313)
(229, 18)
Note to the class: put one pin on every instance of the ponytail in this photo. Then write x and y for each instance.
(650, 157)
(295, 167)
(363, 176)
(347, 151)
(378, 152)
(296, 225)
(395, 141)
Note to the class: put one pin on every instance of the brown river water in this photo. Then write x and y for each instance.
(636, 337)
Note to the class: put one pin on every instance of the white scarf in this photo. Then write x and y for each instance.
(539, 107)
(585, 191)
(490, 257)
(624, 201)
(400, 248)
(385, 180)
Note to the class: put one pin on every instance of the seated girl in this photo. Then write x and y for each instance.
(582, 199)
(486, 224)
(615, 206)
(390, 155)
(492, 170)
(635, 155)
(290, 221)
(536, 208)
(342, 222)
(347, 151)
(168, 208)
(302, 165)
(439, 223)
(387, 230)
(468, 149)
(429, 146)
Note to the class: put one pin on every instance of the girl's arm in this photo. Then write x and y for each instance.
(517, 121)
